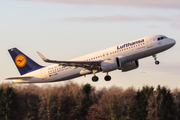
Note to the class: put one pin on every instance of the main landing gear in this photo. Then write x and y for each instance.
(107, 77)
(95, 78)
(156, 61)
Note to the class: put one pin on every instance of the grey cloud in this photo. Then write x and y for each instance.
(175, 25)
(136, 3)
(119, 18)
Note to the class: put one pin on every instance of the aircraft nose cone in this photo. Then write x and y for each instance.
(173, 42)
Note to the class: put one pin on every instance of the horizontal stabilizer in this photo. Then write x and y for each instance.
(21, 77)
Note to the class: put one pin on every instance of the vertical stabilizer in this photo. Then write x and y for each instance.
(23, 63)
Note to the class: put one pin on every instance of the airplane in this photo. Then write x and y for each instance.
(122, 57)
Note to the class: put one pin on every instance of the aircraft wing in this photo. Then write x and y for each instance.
(84, 64)
(20, 77)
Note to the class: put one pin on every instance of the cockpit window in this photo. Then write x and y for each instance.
(161, 38)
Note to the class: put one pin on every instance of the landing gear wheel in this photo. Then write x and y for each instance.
(95, 78)
(107, 78)
(155, 58)
(157, 62)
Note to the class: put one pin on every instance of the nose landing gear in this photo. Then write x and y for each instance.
(156, 61)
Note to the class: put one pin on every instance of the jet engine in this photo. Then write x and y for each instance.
(109, 65)
(130, 66)
(118, 63)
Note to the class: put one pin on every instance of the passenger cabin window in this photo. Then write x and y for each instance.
(161, 38)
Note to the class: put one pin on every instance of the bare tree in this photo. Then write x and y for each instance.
(28, 102)
(116, 104)
(47, 103)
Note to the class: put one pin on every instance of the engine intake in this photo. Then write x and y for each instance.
(109, 65)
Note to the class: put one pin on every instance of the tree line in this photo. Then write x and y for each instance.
(83, 102)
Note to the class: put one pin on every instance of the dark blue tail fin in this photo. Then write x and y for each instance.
(23, 63)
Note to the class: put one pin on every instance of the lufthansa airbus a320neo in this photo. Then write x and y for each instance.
(122, 57)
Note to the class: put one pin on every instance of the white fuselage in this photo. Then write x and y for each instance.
(133, 50)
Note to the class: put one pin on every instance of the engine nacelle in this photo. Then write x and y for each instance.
(130, 66)
(109, 65)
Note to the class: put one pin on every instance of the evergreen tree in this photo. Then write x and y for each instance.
(86, 90)
(176, 98)
(1, 105)
(86, 101)
(8, 104)
(142, 101)
(160, 105)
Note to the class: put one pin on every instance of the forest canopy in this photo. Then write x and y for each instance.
(83, 102)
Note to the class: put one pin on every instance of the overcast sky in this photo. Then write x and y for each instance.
(64, 29)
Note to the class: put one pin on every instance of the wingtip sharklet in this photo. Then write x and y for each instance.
(42, 56)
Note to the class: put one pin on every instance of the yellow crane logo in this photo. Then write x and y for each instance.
(20, 60)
